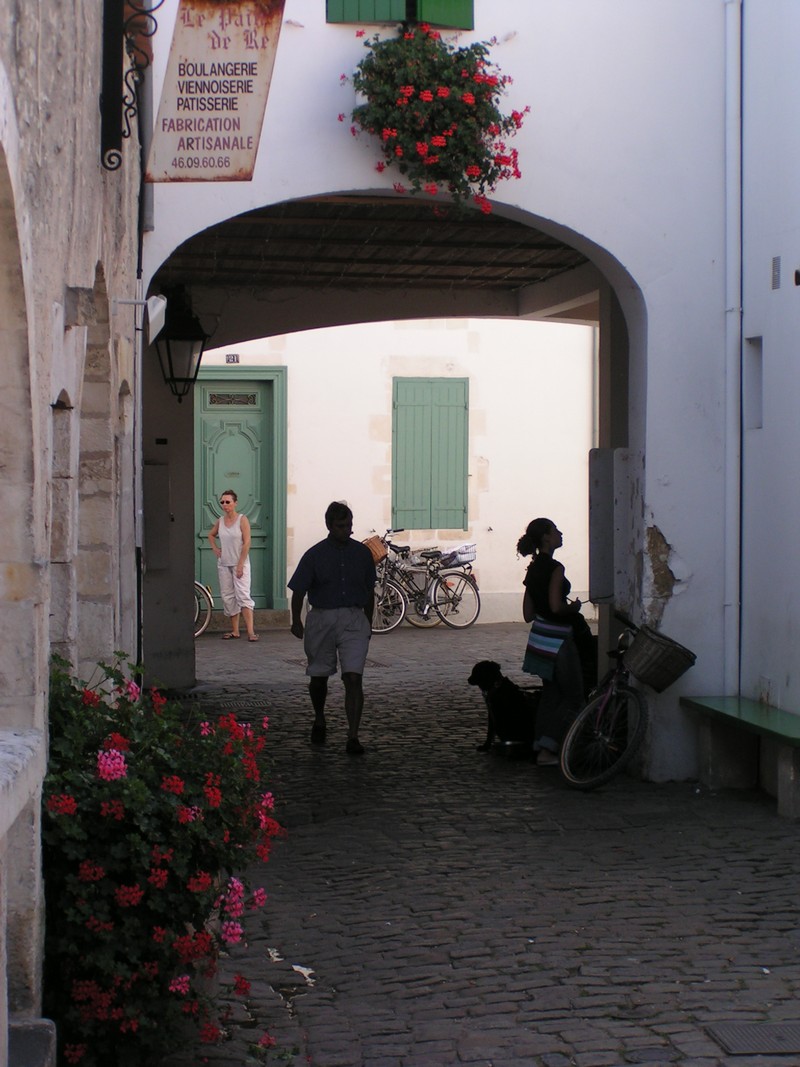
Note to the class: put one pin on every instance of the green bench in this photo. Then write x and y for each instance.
(728, 761)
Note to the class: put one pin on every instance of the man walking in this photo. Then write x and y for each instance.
(338, 576)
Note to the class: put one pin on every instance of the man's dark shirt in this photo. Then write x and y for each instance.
(335, 574)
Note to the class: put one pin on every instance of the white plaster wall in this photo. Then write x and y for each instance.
(613, 142)
(770, 561)
(530, 431)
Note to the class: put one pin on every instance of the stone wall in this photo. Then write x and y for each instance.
(68, 254)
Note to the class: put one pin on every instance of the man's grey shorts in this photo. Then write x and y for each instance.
(332, 631)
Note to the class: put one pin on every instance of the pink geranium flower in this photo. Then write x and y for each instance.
(231, 932)
(111, 765)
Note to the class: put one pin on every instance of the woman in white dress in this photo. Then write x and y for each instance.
(233, 565)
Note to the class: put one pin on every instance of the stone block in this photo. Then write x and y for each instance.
(79, 307)
(63, 603)
(63, 504)
(22, 761)
(32, 1043)
(25, 935)
(22, 582)
(95, 523)
(18, 667)
(96, 435)
(95, 401)
(96, 638)
(728, 756)
(95, 580)
(96, 474)
(17, 519)
(98, 342)
(789, 781)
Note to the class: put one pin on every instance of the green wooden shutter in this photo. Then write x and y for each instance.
(449, 454)
(429, 453)
(455, 13)
(366, 10)
(411, 454)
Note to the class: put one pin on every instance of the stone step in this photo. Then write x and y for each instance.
(32, 1043)
(264, 619)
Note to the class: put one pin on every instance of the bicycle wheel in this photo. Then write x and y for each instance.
(604, 738)
(390, 608)
(421, 612)
(203, 606)
(456, 599)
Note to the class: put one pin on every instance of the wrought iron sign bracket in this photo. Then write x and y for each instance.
(131, 21)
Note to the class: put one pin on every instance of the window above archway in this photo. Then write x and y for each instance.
(455, 14)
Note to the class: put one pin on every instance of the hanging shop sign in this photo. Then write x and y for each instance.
(215, 91)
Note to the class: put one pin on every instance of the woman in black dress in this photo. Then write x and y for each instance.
(560, 644)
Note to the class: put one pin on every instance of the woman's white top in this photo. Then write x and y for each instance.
(230, 542)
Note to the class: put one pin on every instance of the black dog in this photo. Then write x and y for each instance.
(510, 711)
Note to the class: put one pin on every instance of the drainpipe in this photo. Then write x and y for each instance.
(733, 348)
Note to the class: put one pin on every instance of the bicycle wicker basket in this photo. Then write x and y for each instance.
(376, 547)
(465, 553)
(656, 659)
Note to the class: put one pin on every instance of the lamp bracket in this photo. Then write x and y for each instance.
(155, 313)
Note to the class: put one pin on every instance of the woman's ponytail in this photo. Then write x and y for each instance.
(531, 540)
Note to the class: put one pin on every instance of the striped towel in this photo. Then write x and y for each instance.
(544, 643)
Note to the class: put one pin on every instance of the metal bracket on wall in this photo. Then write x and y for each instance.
(131, 22)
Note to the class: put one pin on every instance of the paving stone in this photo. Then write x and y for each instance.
(459, 908)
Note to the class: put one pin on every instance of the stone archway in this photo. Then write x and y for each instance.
(342, 260)
(23, 632)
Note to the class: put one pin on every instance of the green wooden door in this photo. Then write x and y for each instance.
(234, 450)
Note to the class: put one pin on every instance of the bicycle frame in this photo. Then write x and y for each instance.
(606, 689)
(608, 732)
(405, 575)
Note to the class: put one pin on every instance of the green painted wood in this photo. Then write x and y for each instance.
(429, 453)
(240, 444)
(458, 14)
(366, 10)
(751, 714)
(411, 454)
(449, 427)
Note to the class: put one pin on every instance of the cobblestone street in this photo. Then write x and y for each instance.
(435, 905)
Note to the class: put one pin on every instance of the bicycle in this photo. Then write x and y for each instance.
(412, 576)
(203, 607)
(426, 591)
(608, 732)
